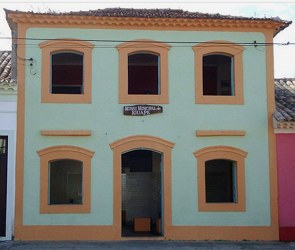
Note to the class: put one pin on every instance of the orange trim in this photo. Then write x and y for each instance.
(203, 133)
(216, 149)
(65, 132)
(147, 23)
(75, 45)
(220, 233)
(137, 46)
(19, 167)
(152, 143)
(229, 48)
(271, 136)
(62, 232)
(64, 152)
(221, 152)
(140, 138)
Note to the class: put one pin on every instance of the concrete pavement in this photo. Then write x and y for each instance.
(144, 244)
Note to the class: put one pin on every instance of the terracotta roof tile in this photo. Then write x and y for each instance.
(285, 99)
(153, 13)
(5, 67)
(148, 13)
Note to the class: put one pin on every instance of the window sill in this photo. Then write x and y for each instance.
(222, 207)
(201, 99)
(65, 209)
(65, 132)
(206, 133)
(66, 98)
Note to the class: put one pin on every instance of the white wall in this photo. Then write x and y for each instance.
(8, 128)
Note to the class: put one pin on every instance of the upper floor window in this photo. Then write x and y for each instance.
(143, 72)
(221, 179)
(219, 73)
(66, 71)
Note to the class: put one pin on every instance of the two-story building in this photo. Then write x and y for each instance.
(139, 122)
(284, 128)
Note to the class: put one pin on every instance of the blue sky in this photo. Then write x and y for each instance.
(284, 55)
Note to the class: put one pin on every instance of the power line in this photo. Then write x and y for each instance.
(151, 2)
(144, 42)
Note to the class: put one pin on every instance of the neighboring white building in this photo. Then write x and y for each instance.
(8, 97)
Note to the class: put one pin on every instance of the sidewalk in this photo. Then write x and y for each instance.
(146, 244)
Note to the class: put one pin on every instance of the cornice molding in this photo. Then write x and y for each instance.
(65, 132)
(208, 133)
(8, 87)
(160, 23)
(283, 125)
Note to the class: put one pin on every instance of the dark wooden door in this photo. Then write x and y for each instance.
(3, 183)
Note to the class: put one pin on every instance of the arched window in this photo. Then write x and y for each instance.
(221, 178)
(66, 71)
(65, 182)
(221, 181)
(219, 73)
(143, 72)
(65, 179)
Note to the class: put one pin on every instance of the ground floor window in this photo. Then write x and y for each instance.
(65, 182)
(221, 179)
(65, 173)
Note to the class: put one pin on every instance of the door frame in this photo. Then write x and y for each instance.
(3, 183)
(149, 143)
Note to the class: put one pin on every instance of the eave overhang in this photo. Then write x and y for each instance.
(145, 23)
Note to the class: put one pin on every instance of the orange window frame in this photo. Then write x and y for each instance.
(58, 153)
(223, 48)
(143, 46)
(68, 45)
(228, 153)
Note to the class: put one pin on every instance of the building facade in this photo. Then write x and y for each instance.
(284, 127)
(145, 122)
(8, 92)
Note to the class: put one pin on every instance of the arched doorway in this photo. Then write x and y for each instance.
(143, 147)
(141, 187)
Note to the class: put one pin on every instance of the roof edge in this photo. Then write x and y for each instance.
(204, 21)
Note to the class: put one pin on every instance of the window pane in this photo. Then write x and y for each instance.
(65, 182)
(3, 145)
(218, 75)
(67, 73)
(143, 74)
(220, 178)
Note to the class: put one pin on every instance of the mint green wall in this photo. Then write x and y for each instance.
(178, 123)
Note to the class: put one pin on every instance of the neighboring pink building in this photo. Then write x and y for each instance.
(284, 126)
